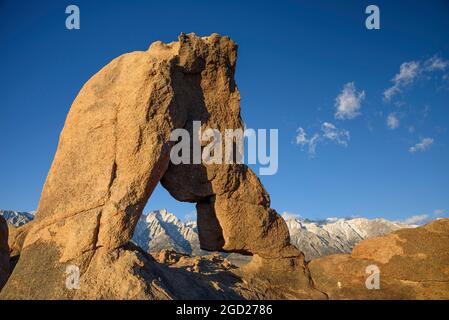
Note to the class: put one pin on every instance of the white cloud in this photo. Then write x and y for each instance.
(392, 121)
(439, 212)
(328, 132)
(423, 145)
(303, 141)
(436, 64)
(408, 71)
(301, 136)
(290, 216)
(348, 102)
(418, 219)
(331, 132)
(313, 142)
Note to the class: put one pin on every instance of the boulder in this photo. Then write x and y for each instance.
(411, 264)
(113, 151)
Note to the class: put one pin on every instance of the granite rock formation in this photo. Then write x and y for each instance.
(115, 148)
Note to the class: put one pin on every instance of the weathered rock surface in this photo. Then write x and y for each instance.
(214, 277)
(413, 264)
(4, 252)
(113, 151)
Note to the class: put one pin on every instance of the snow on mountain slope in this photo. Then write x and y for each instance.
(161, 229)
(17, 218)
(318, 239)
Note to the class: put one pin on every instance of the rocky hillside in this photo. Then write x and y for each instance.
(162, 230)
(410, 263)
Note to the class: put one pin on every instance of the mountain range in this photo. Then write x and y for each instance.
(17, 218)
(161, 229)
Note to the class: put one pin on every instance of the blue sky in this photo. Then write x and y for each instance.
(295, 59)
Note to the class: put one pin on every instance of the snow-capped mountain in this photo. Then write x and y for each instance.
(321, 238)
(161, 229)
(17, 218)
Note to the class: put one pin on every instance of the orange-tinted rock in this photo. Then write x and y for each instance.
(113, 151)
(413, 264)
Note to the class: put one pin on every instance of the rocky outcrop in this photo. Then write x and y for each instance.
(4, 252)
(412, 264)
(112, 152)
(214, 277)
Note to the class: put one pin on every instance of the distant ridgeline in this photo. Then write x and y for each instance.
(17, 218)
(161, 229)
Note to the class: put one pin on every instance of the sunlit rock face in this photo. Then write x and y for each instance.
(113, 151)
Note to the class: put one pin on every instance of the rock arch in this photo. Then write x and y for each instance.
(114, 149)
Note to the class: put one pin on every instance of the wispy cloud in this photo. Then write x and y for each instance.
(423, 145)
(410, 71)
(439, 212)
(436, 64)
(332, 133)
(301, 137)
(392, 121)
(418, 219)
(328, 132)
(348, 102)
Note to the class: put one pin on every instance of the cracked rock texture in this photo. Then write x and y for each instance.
(113, 151)
(413, 264)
